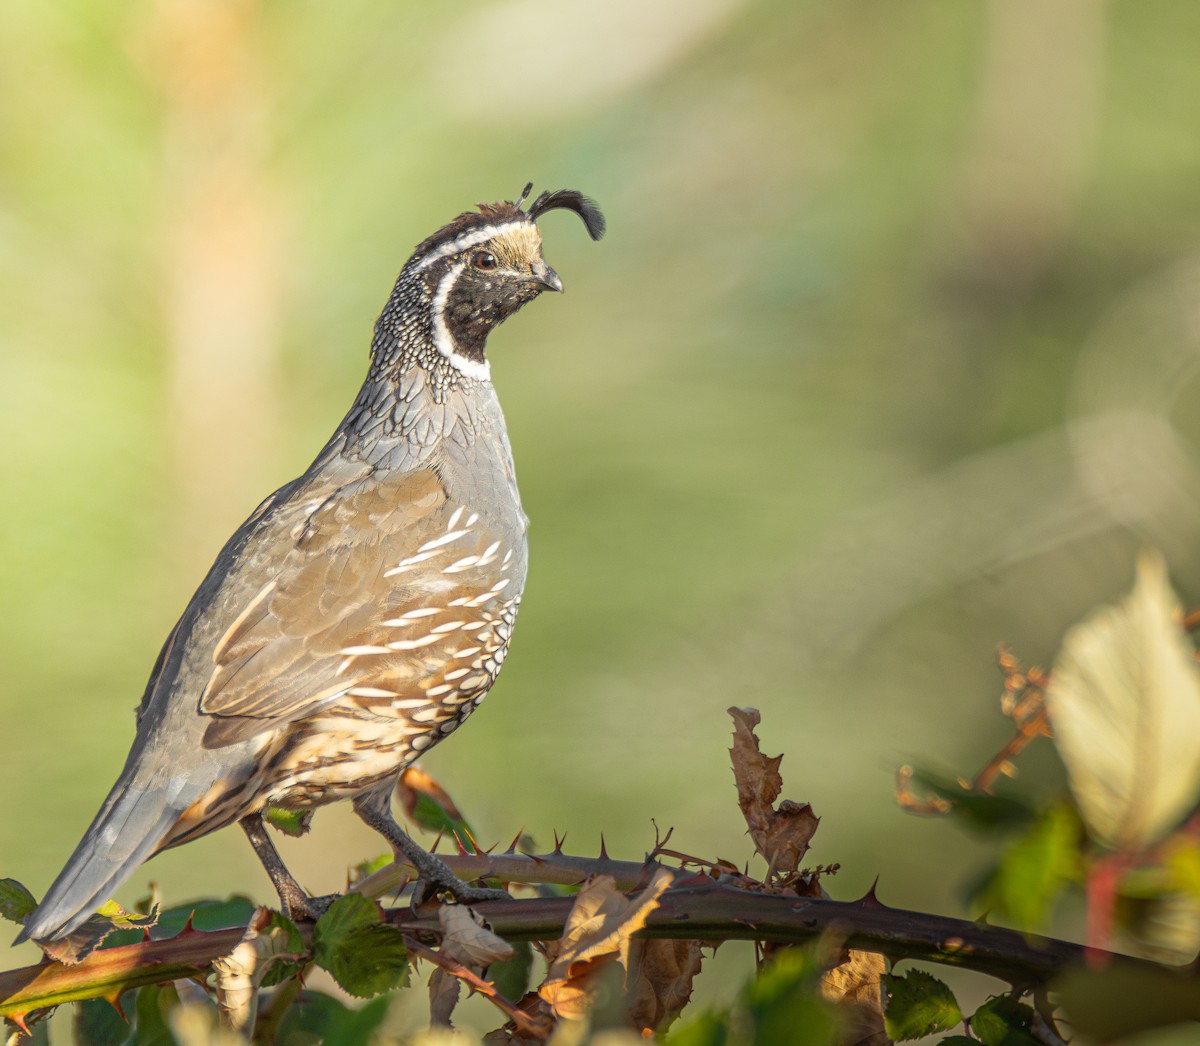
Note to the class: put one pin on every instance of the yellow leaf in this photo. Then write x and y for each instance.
(1124, 702)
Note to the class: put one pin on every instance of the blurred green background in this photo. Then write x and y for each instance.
(889, 355)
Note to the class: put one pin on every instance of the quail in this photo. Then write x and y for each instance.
(363, 610)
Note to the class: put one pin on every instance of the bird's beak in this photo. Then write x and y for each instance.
(546, 276)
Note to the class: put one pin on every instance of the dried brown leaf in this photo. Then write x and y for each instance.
(466, 938)
(596, 935)
(239, 974)
(443, 997)
(854, 985)
(86, 938)
(658, 982)
(781, 835)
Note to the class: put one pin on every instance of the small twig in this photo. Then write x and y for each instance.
(682, 858)
(660, 841)
(1033, 726)
(910, 801)
(524, 1022)
(1023, 701)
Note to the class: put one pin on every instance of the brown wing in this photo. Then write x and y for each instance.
(387, 591)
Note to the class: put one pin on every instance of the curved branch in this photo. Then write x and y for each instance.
(696, 908)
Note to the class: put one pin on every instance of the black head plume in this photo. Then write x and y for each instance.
(567, 200)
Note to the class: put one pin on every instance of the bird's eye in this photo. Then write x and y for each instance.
(484, 260)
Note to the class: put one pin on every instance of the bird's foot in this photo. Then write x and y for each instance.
(436, 877)
(298, 906)
(462, 892)
(433, 874)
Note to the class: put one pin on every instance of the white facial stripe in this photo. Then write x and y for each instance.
(469, 239)
(443, 340)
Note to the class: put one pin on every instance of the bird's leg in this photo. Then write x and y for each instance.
(296, 903)
(374, 807)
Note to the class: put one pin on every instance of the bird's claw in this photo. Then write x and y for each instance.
(305, 907)
(424, 889)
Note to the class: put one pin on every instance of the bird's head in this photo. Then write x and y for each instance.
(477, 271)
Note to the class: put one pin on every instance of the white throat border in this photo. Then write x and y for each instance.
(443, 340)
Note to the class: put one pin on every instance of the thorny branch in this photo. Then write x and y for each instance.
(695, 907)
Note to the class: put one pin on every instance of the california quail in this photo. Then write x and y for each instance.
(363, 610)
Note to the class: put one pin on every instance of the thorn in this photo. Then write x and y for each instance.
(114, 1000)
(433, 848)
(603, 848)
(512, 847)
(491, 849)
(558, 843)
(145, 935)
(869, 899)
(536, 860)
(461, 846)
(698, 879)
(188, 927)
(472, 840)
(19, 1020)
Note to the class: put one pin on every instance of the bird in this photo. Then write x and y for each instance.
(363, 610)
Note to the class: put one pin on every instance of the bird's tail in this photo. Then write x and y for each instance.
(134, 822)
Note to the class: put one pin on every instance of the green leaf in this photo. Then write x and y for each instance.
(432, 816)
(1003, 1021)
(988, 814)
(1034, 869)
(1183, 865)
(704, 1029)
(957, 1040)
(150, 1020)
(207, 914)
(1106, 1004)
(290, 822)
(511, 977)
(784, 1003)
(97, 1023)
(363, 954)
(16, 902)
(365, 868)
(917, 1005)
(291, 941)
(315, 1017)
